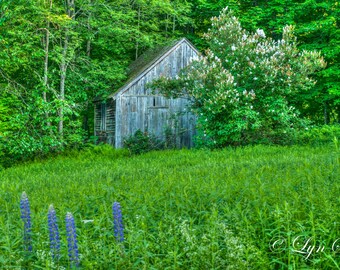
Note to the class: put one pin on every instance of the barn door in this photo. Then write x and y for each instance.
(157, 122)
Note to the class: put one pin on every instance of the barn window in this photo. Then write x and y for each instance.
(103, 116)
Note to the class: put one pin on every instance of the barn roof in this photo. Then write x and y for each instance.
(148, 60)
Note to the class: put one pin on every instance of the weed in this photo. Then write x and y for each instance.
(237, 208)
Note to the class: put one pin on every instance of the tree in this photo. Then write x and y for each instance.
(57, 56)
(201, 12)
(317, 26)
(243, 88)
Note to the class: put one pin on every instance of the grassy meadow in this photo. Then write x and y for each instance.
(256, 207)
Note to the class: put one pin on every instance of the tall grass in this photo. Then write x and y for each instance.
(244, 208)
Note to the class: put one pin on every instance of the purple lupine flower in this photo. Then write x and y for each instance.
(72, 240)
(118, 222)
(26, 218)
(54, 233)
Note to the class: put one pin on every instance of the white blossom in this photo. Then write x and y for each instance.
(261, 33)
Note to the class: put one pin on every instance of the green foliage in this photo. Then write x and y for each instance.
(25, 133)
(142, 142)
(181, 209)
(102, 39)
(243, 87)
(8, 108)
(55, 58)
(319, 135)
(317, 26)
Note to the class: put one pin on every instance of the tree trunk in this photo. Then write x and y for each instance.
(47, 43)
(137, 40)
(88, 53)
(89, 29)
(63, 68)
(166, 24)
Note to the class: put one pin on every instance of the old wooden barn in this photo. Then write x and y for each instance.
(134, 107)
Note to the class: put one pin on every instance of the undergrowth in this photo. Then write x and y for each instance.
(237, 208)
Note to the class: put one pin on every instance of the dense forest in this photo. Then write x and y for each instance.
(57, 56)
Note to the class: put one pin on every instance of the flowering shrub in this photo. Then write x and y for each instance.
(243, 88)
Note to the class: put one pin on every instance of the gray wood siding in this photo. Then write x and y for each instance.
(135, 107)
(154, 112)
(110, 121)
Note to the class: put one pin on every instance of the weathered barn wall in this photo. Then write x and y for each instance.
(134, 107)
(141, 109)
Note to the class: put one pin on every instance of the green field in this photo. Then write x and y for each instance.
(256, 207)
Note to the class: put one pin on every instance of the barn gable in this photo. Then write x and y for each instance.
(134, 107)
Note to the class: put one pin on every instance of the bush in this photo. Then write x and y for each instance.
(319, 135)
(16, 147)
(243, 88)
(142, 142)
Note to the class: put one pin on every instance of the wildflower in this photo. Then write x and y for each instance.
(26, 217)
(54, 233)
(118, 222)
(72, 240)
